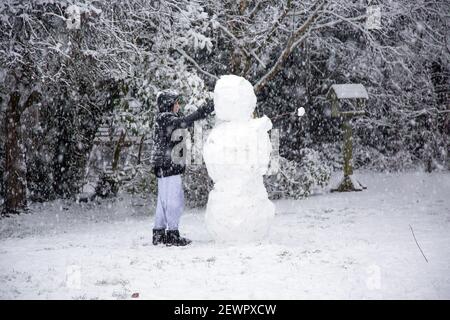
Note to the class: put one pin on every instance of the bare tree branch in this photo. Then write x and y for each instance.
(255, 10)
(195, 64)
(237, 41)
(333, 23)
(294, 40)
(32, 98)
(421, 251)
(275, 25)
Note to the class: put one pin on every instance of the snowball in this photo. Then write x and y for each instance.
(234, 98)
(301, 112)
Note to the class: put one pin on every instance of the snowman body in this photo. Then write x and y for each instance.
(237, 154)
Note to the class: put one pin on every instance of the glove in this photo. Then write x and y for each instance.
(208, 107)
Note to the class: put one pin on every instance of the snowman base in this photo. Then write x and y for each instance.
(239, 216)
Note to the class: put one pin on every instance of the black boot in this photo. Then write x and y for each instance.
(173, 238)
(159, 236)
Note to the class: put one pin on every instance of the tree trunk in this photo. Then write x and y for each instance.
(236, 56)
(15, 173)
(141, 145)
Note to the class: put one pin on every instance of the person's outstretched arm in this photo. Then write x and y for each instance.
(187, 121)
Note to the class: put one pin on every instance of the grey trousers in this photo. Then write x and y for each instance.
(170, 203)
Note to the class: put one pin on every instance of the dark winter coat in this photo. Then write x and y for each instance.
(165, 123)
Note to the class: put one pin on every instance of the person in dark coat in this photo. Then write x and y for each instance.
(170, 203)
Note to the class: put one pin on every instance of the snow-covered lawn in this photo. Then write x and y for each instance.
(331, 245)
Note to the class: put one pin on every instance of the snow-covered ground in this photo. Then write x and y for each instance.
(331, 245)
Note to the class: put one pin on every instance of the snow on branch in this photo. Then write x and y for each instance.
(196, 65)
(252, 13)
(236, 40)
(294, 40)
(335, 22)
(34, 97)
(276, 25)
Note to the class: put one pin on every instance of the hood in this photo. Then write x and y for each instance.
(166, 99)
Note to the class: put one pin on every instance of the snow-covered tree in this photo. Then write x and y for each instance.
(66, 66)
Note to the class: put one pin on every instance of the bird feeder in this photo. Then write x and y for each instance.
(348, 101)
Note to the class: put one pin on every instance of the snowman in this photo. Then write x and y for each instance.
(237, 154)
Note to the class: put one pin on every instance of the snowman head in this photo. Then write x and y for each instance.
(234, 98)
